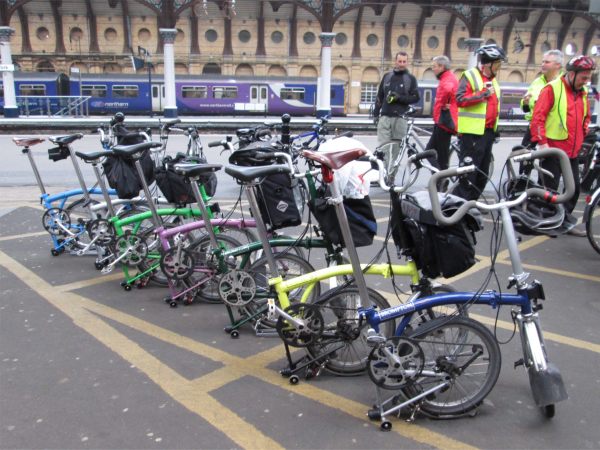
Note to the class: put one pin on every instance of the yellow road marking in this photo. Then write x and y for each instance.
(90, 282)
(565, 273)
(23, 236)
(194, 395)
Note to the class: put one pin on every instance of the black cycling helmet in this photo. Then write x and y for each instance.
(490, 53)
(580, 63)
(117, 118)
(533, 216)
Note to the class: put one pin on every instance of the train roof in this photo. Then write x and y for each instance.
(125, 77)
(37, 76)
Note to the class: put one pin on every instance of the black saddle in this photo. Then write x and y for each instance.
(135, 151)
(249, 173)
(94, 156)
(196, 170)
(65, 140)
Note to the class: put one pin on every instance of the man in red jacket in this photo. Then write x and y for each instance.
(560, 119)
(445, 111)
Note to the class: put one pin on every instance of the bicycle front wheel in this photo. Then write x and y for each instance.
(460, 353)
(592, 224)
(343, 345)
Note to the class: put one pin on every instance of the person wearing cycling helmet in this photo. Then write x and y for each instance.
(560, 119)
(478, 99)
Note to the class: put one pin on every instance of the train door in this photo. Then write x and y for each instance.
(427, 102)
(158, 97)
(259, 97)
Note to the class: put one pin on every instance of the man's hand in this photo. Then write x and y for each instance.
(375, 120)
(542, 146)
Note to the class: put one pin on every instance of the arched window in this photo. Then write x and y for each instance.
(45, 66)
(211, 68)
(244, 70)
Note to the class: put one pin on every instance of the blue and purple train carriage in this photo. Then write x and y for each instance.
(214, 94)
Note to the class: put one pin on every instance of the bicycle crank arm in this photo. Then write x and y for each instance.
(275, 312)
(87, 247)
(424, 394)
(110, 266)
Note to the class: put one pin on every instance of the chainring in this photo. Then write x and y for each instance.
(306, 334)
(56, 221)
(133, 246)
(237, 288)
(103, 230)
(177, 264)
(395, 363)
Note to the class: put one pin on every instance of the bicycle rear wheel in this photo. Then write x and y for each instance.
(343, 345)
(461, 353)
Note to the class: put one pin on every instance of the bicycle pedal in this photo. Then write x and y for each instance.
(266, 332)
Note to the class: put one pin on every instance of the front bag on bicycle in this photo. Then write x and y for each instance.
(437, 250)
(361, 219)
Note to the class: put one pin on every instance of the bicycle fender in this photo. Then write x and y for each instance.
(547, 386)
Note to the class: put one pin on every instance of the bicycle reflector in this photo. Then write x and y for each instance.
(327, 174)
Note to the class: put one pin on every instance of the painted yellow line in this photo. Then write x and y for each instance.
(91, 282)
(23, 236)
(230, 424)
(194, 395)
(561, 272)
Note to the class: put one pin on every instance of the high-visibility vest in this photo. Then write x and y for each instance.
(556, 121)
(534, 90)
(471, 119)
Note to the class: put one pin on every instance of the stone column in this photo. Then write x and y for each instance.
(473, 44)
(324, 87)
(168, 36)
(8, 80)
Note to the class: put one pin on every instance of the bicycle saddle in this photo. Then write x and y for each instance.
(335, 160)
(170, 122)
(194, 170)
(27, 141)
(249, 173)
(65, 140)
(134, 151)
(94, 156)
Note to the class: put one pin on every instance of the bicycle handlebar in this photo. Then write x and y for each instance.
(517, 156)
(416, 160)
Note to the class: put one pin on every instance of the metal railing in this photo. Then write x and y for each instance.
(53, 105)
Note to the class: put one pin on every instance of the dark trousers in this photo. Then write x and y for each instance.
(440, 142)
(479, 149)
(553, 166)
(526, 138)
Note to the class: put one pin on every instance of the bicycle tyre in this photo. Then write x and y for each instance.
(341, 319)
(77, 211)
(592, 224)
(425, 315)
(448, 341)
(289, 266)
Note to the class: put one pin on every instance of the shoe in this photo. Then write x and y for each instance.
(577, 232)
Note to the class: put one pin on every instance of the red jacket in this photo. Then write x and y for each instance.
(466, 97)
(446, 94)
(577, 132)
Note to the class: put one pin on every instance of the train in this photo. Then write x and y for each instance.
(38, 93)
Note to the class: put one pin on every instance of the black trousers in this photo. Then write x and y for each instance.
(440, 142)
(479, 149)
(553, 166)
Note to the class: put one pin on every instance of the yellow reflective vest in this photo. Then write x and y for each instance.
(471, 119)
(556, 121)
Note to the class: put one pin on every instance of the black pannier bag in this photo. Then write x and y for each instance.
(58, 153)
(359, 212)
(277, 201)
(277, 194)
(437, 250)
(123, 177)
(174, 186)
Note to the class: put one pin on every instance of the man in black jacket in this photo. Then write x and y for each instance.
(398, 89)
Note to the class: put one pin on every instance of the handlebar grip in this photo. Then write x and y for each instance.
(431, 153)
(435, 200)
(215, 144)
(565, 168)
(345, 134)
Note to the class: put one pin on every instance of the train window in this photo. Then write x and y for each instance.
(93, 90)
(1, 91)
(32, 89)
(194, 92)
(292, 93)
(332, 94)
(225, 92)
(125, 91)
(368, 92)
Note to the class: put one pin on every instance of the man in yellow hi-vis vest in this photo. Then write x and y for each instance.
(560, 119)
(478, 99)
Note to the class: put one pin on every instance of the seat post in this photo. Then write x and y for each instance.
(81, 180)
(261, 229)
(146, 189)
(340, 212)
(36, 172)
(103, 188)
(204, 211)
